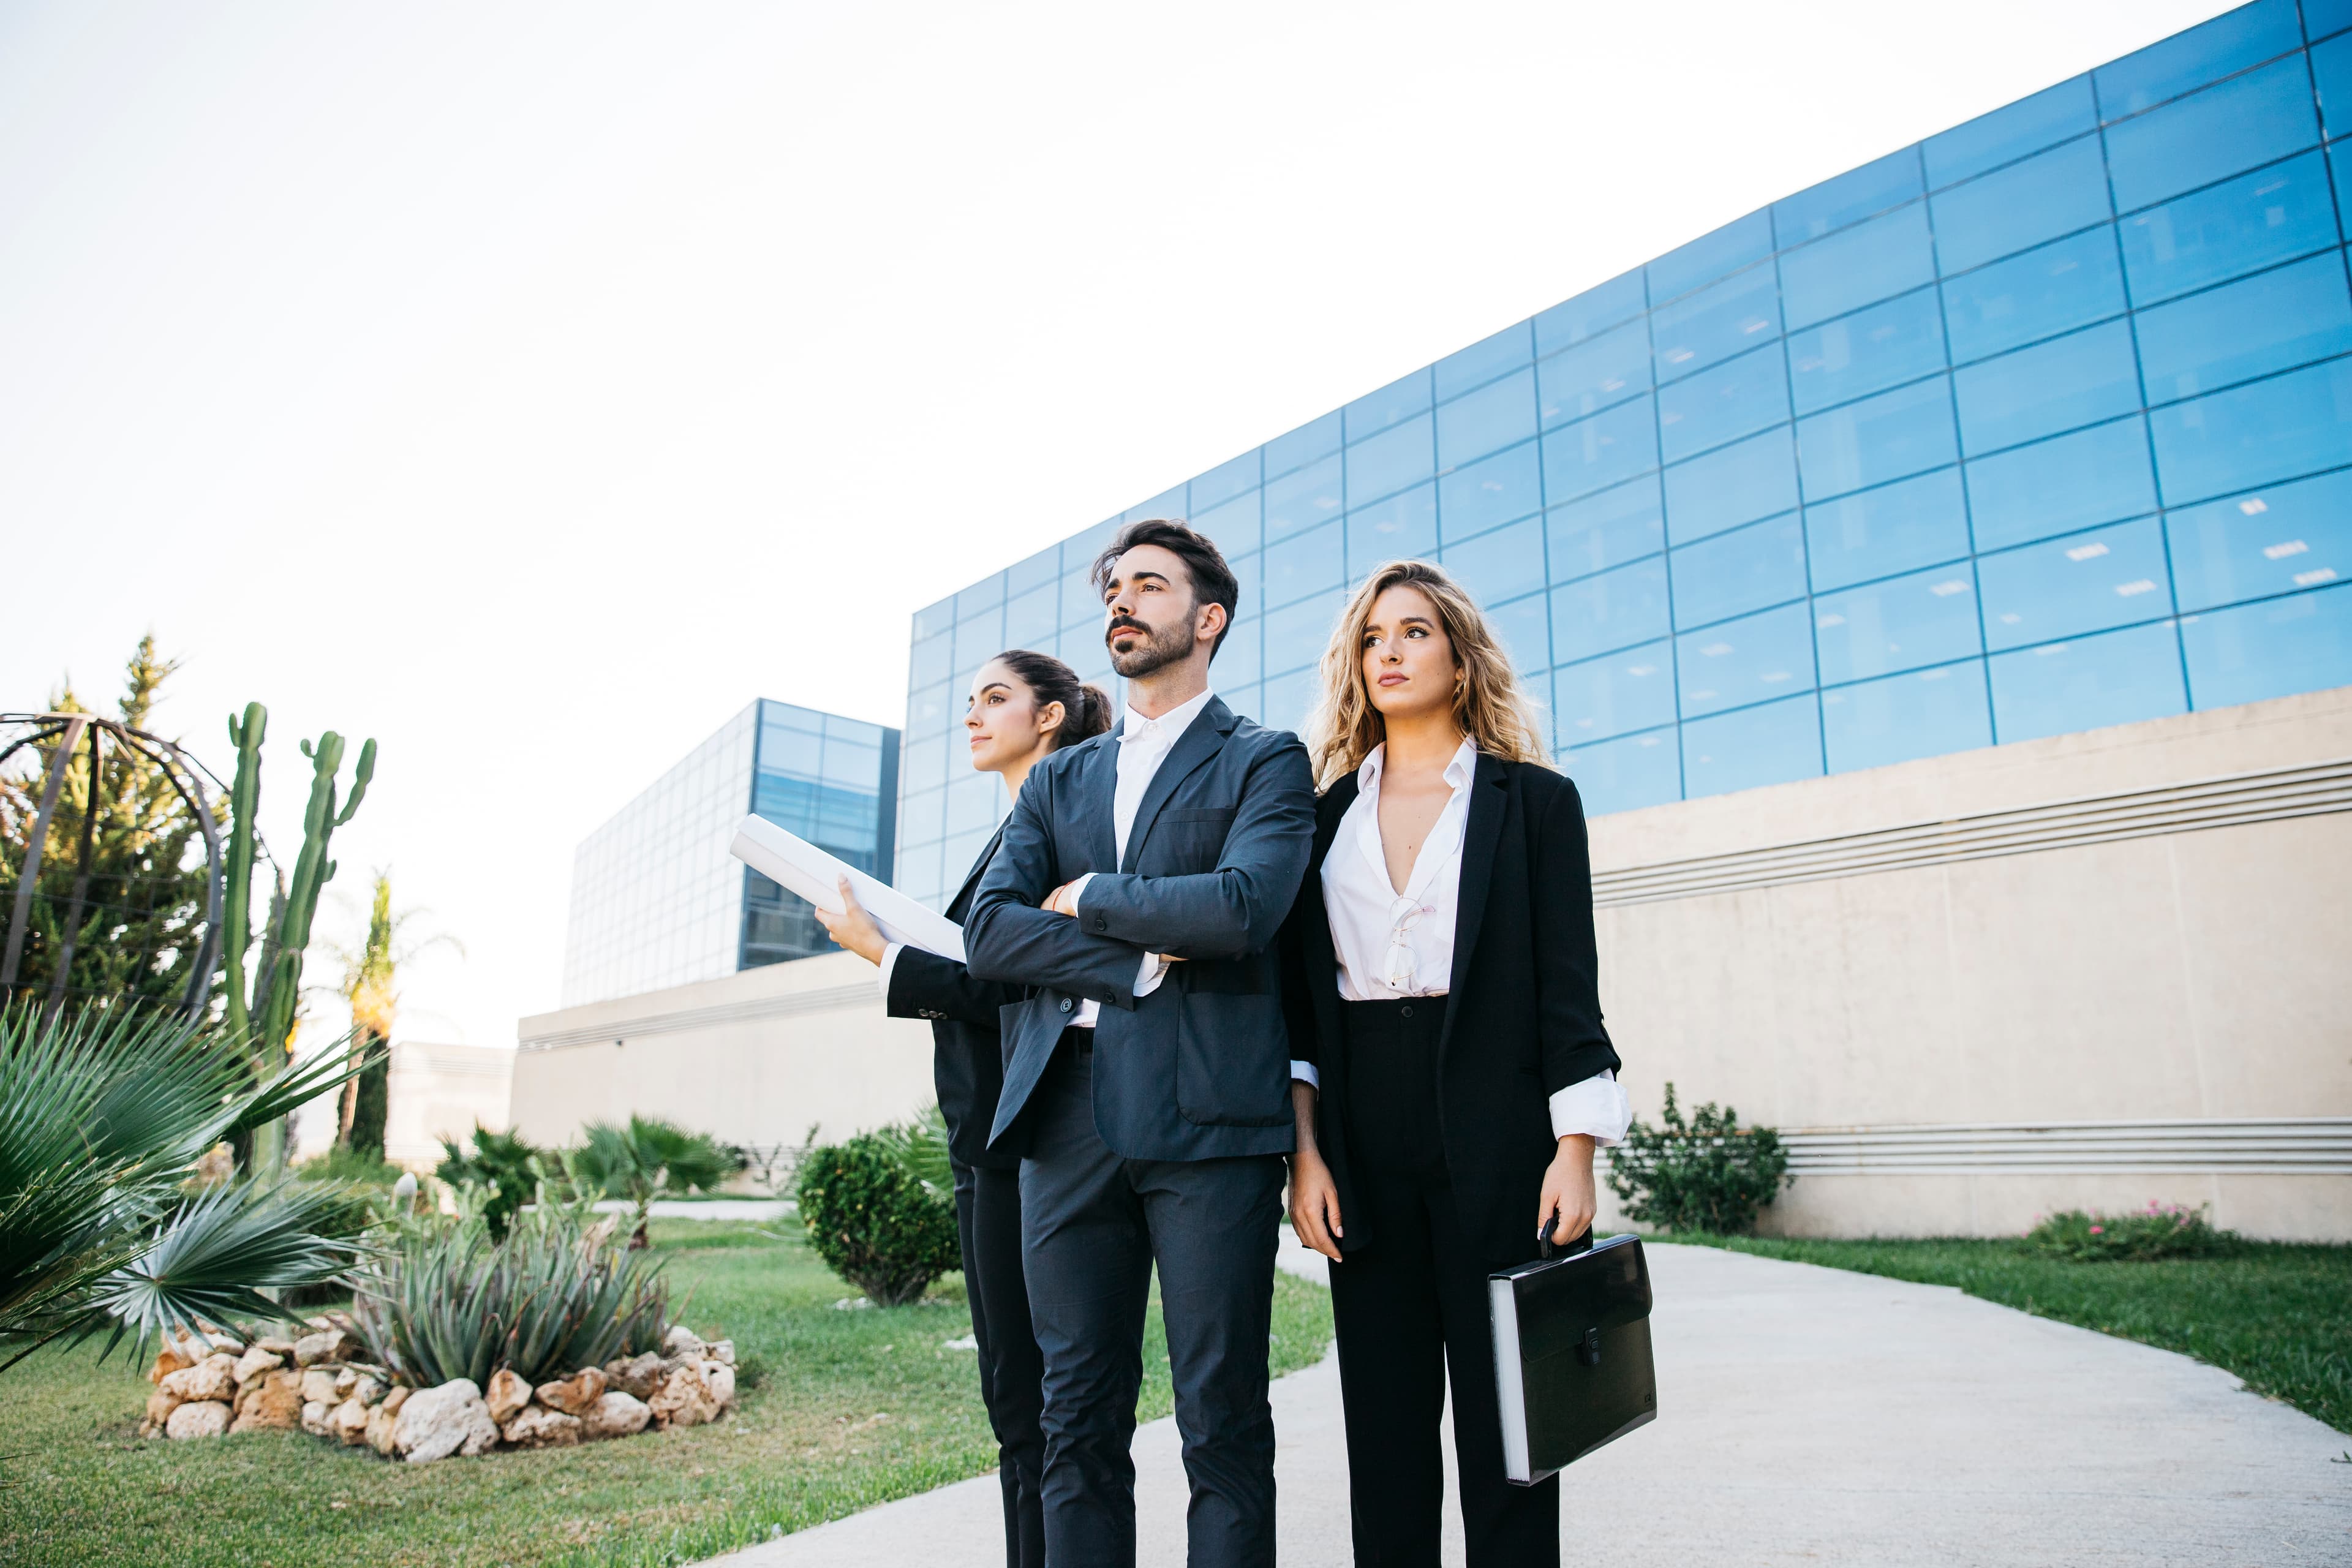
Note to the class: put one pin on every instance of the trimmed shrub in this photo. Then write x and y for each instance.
(1710, 1173)
(2159, 1230)
(874, 1222)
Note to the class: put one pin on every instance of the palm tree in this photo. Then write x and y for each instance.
(647, 1157)
(370, 986)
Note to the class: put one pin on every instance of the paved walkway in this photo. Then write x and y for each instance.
(1807, 1415)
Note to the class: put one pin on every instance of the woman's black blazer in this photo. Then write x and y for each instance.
(1523, 1015)
(967, 1052)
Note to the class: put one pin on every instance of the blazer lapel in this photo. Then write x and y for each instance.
(1489, 794)
(1203, 741)
(1098, 789)
(1322, 961)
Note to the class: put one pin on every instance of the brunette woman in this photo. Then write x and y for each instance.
(1023, 706)
(1440, 984)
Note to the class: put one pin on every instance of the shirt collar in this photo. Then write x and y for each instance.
(1457, 772)
(1172, 723)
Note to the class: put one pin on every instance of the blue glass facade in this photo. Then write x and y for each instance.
(828, 779)
(2042, 424)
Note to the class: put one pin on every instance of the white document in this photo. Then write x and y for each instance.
(794, 863)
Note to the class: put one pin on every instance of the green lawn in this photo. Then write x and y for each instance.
(2277, 1315)
(842, 1410)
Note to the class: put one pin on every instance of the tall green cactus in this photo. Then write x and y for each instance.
(312, 872)
(245, 805)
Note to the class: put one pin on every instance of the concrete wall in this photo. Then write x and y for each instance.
(439, 1091)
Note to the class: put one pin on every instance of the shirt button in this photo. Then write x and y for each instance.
(1065, 1003)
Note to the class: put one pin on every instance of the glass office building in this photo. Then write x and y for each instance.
(2040, 425)
(657, 899)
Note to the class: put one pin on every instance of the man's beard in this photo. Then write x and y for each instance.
(1155, 650)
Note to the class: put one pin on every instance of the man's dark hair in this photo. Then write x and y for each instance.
(1205, 563)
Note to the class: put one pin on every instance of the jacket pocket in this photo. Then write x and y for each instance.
(1231, 1067)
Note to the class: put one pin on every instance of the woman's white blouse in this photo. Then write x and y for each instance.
(1392, 945)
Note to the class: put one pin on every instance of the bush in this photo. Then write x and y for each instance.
(506, 1169)
(2160, 1230)
(1710, 1173)
(874, 1222)
(353, 1167)
(647, 1157)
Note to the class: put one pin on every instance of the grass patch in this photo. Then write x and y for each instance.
(845, 1409)
(2277, 1314)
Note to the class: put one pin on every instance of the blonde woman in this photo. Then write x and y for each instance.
(1440, 988)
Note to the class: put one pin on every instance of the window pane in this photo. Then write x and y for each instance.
(2055, 487)
(2268, 216)
(1302, 499)
(1399, 527)
(2082, 583)
(1615, 695)
(2116, 677)
(1927, 713)
(1744, 662)
(1525, 631)
(2301, 643)
(1238, 663)
(1715, 323)
(2273, 321)
(1224, 481)
(1287, 701)
(1615, 609)
(1590, 313)
(1736, 398)
(1316, 439)
(1730, 486)
(1606, 530)
(934, 619)
(1487, 420)
(977, 639)
(1867, 351)
(1757, 746)
(2286, 537)
(2026, 126)
(1746, 569)
(2173, 66)
(1711, 256)
(2232, 125)
(2047, 196)
(1856, 194)
(1399, 399)
(1605, 449)
(1897, 432)
(1031, 620)
(1904, 623)
(2321, 18)
(1168, 502)
(1232, 524)
(1499, 565)
(1501, 489)
(1587, 378)
(1081, 604)
(930, 660)
(2040, 294)
(2281, 428)
(1391, 460)
(1482, 361)
(2057, 385)
(1626, 774)
(982, 596)
(2331, 73)
(1041, 568)
(1298, 635)
(1891, 528)
(1885, 256)
(1305, 565)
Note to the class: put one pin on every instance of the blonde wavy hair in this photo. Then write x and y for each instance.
(1488, 702)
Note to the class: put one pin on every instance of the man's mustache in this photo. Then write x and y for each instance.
(1124, 624)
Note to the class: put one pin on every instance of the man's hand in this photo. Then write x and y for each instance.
(853, 928)
(1568, 1190)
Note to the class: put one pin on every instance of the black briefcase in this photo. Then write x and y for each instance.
(1572, 1368)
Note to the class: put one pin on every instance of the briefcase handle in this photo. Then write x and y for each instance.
(1546, 1251)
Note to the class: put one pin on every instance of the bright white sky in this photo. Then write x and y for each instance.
(531, 386)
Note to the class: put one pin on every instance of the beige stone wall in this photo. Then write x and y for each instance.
(437, 1092)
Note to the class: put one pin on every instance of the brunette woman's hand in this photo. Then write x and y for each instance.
(1313, 1196)
(1568, 1191)
(853, 928)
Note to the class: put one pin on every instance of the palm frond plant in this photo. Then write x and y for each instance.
(502, 1167)
(648, 1157)
(921, 1146)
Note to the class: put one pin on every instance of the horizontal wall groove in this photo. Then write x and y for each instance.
(2287, 1147)
(833, 998)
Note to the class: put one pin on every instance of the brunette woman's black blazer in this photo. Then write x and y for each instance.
(1523, 1016)
(967, 1052)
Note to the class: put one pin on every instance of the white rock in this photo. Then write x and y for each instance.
(346, 1379)
(681, 1341)
(198, 1418)
(616, 1415)
(384, 1420)
(215, 1377)
(349, 1422)
(720, 1351)
(576, 1394)
(255, 1362)
(327, 1344)
(367, 1389)
(318, 1386)
(539, 1427)
(507, 1395)
(685, 1397)
(435, 1422)
(721, 1379)
(314, 1417)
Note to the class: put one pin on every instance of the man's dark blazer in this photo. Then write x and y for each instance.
(1523, 1013)
(967, 1053)
(1199, 1069)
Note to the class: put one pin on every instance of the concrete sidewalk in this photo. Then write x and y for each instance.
(1805, 1416)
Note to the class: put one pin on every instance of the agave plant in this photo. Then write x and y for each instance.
(647, 1157)
(104, 1114)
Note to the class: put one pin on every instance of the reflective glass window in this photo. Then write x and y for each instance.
(1711, 256)
(1490, 492)
(981, 598)
(1590, 313)
(2321, 18)
(1850, 198)
(930, 660)
(1501, 564)
(1246, 699)
(1403, 525)
(2079, 582)
(1585, 379)
(2170, 67)
(1729, 486)
(1223, 483)
(1900, 718)
(1769, 744)
(1399, 399)
(977, 638)
(1877, 532)
(1031, 620)
(1086, 653)
(1306, 563)
(1081, 603)
(1626, 774)
(1744, 662)
(1238, 662)
(934, 708)
(1605, 449)
(1170, 503)
(934, 619)
(2331, 73)
(1497, 415)
(2005, 212)
(1610, 610)
(1716, 323)
(2272, 320)
(975, 800)
(1746, 569)
(2291, 425)
(1316, 439)
(1298, 634)
(1902, 622)
(2279, 538)
(1482, 361)
(1854, 267)
(2207, 136)
(2301, 643)
(1867, 351)
(2247, 224)
(2011, 133)
(1040, 568)
(1232, 525)
(1525, 631)
(2087, 683)
(1605, 529)
(1391, 460)
(1888, 436)
(1599, 698)
(925, 762)
(1723, 403)
(1302, 499)
(2051, 289)
(2055, 487)
(2071, 381)
(920, 812)
(1287, 700)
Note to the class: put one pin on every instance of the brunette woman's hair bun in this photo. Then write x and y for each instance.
(1086, 710)
(1093, 715)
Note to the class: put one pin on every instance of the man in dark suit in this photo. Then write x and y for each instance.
(1142, 881)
